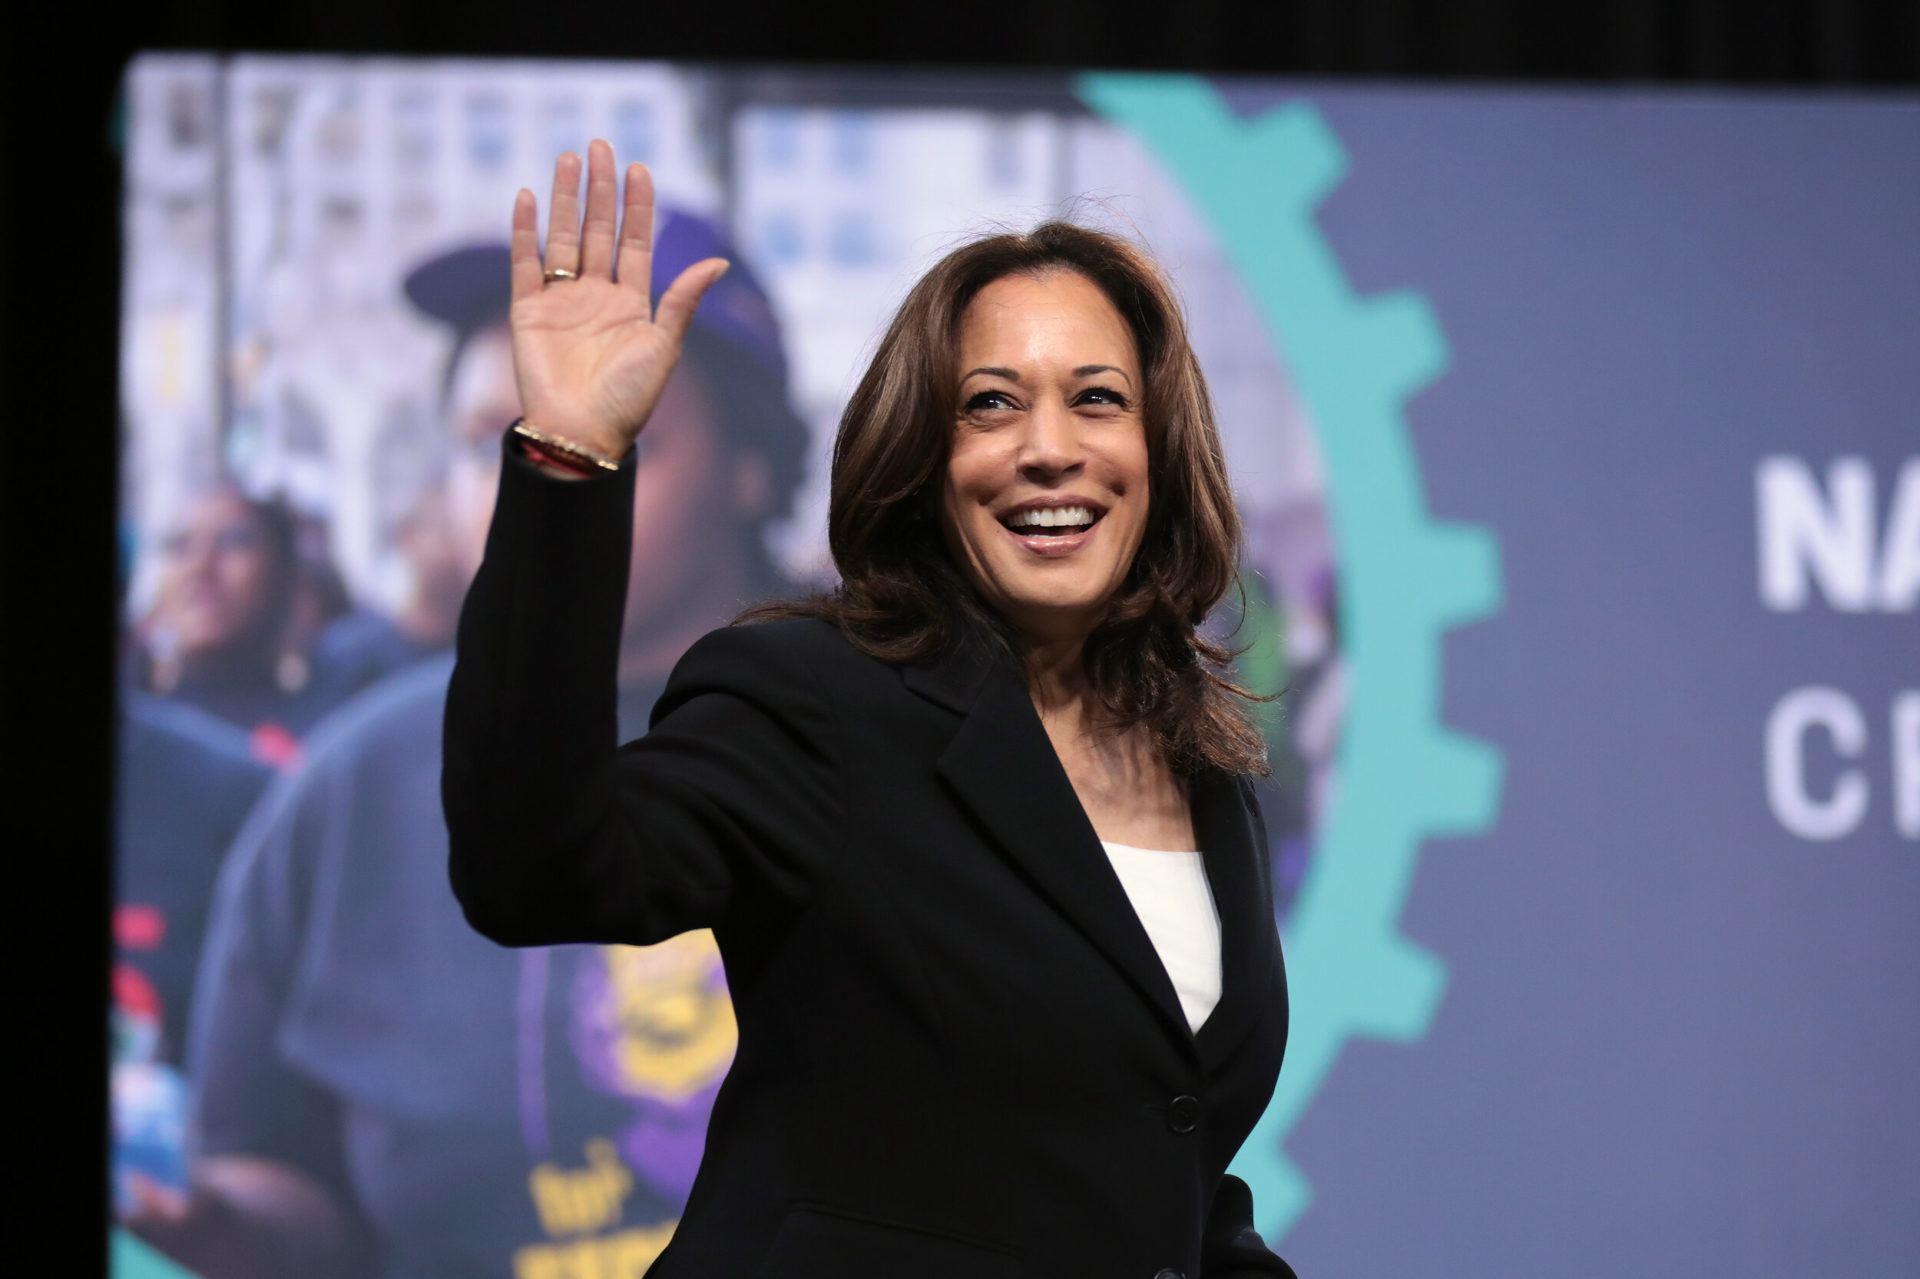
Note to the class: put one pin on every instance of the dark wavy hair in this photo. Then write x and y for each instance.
(901, 597)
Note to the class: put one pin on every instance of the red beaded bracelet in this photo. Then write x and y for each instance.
(552, 445)
(534, 453)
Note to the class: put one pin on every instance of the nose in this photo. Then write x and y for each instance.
(1050, 448)
(191, 554)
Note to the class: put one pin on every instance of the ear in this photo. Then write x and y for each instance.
(752, 485)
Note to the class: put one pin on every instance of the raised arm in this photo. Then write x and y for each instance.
(734, 798)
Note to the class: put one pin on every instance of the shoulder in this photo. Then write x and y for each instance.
(384, 739)
(799, 669)
(395, 710)
(184, 784)
(778, 649)
(155, 727)
(366, 786)
(361, 646)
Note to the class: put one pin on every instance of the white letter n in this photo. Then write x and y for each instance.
(1804, 533)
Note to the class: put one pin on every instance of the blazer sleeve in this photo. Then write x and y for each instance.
(1232, 1248)
(732, 800)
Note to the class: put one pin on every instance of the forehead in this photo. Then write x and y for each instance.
(218, 508)
(1059, 313)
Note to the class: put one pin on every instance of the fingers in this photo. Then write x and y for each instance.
(563, 215)
(597, 229)
(525, 252)
(635, 268)
(683, 296)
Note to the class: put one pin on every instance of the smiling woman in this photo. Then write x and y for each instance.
(1021, 376)
(973, 831)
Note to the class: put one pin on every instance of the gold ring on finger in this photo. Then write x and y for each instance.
(561, 273)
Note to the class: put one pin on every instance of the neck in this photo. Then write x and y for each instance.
(247, 656)
(1057, 677)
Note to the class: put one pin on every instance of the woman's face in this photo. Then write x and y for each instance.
(216, 575)
(1045, 499)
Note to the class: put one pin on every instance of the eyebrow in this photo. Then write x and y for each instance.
(1012, 375)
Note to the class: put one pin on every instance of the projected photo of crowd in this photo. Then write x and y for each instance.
(318, 1067)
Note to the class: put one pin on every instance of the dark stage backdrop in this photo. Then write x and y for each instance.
(1575, 433)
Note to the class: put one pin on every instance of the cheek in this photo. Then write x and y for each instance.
(470, 492)
(682, 513)
(1133, 459)
(172, 578)
(240, 574)
(1134, 466)
(974, 474)
(965, 527)
(675, 487)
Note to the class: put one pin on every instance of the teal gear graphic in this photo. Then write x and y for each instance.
(1405, 579)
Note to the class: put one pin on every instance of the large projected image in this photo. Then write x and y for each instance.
(1573, 437)
(316, 378)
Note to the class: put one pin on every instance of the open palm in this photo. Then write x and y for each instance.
(590, 353)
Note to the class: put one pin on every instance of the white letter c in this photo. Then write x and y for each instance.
(1803, 814)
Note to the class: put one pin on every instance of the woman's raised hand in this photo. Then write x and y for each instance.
(590, 353)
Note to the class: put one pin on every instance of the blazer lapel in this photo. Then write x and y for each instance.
(1242, 885)
(1004, 769)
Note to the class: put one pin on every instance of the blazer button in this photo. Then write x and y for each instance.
(1169, 1273)
(1183, 1113)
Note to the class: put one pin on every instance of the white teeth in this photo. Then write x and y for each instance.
(1051, 517)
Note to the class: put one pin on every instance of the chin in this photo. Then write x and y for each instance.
(1048, 614)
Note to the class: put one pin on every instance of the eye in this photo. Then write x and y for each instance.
(1102, 395)
(243, 538)
(987, 401)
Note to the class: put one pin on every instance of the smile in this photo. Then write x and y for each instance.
(1058, 528)
(1062, 520)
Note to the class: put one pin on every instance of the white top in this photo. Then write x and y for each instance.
(1171, 895)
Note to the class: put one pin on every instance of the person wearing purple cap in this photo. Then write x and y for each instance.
(735, 381)
(379, 1091)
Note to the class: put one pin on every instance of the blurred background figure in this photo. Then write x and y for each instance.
(250, 622)
(184, 782)
(437, 564)
(381, 1091)
(1290, 633)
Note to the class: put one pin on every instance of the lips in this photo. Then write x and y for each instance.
(1054, 529)
(1051, 519)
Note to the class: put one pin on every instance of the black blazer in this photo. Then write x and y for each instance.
(960, 1056)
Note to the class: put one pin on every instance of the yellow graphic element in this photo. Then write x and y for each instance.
(674, 1020)
(622, 1256)
(573, 1201)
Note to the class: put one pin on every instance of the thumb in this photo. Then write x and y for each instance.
(683, 296)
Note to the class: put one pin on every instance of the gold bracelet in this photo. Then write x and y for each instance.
(565, 448)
